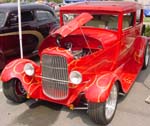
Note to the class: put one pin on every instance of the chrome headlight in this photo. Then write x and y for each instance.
(75, 77)
(29, 69)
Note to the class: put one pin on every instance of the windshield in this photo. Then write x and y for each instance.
(2, 18)
(104, 21)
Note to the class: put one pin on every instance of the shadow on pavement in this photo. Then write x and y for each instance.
(144, 76)
(44, 114)
(82, 114)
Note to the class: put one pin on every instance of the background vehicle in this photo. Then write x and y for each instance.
(37, 21)
(96, 54)
(147, 10)
(72, 1)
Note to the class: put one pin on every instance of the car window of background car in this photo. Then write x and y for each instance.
(68, 17)
(25, 17)
(2, 18)
(12, 18)
(44, 15)
(128, 20)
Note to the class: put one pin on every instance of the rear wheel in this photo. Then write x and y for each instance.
(14, 91)
(103, 113)
(146, 57)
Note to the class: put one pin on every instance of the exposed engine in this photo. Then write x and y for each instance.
(80, 53)
(77, 53)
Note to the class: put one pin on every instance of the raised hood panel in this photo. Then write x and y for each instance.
(73, 24)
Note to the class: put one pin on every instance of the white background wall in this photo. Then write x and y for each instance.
(144, 2)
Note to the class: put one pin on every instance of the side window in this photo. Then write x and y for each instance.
(138, 16)
(44, 15)
(128, 20)
(12, 18)
(27, 16)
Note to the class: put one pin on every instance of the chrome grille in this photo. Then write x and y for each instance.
(55, 76)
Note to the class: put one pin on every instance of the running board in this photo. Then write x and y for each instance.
(122, 94)
(72, 107)
(80, 108)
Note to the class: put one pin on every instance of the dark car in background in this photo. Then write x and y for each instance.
(37, 21)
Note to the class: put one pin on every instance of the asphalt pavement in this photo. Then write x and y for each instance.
(132, 110)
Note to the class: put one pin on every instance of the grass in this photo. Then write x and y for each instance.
(147, 22)
(147, 31)
(147, 19)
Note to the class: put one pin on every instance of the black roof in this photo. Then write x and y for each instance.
(24, 6)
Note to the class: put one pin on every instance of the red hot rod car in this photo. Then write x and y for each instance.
(96, 54)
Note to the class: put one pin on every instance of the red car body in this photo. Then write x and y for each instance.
(99, 56)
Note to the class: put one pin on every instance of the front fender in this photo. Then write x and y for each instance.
(15, 69)
(100, 89)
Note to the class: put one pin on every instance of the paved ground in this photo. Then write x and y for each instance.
(132, 110)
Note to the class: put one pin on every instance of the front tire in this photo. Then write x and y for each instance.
(103, 113)
(14, 91)
(146, 57)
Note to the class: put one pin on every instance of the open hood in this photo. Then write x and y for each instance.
(73, 25)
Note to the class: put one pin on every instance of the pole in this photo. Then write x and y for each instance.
(20, 29)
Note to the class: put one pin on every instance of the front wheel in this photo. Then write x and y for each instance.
(146, 57)
(14, 91)
(103, 113)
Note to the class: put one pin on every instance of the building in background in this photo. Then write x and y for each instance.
(144, 2)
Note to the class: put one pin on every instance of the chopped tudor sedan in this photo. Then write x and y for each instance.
(37, 21)
(96, 54)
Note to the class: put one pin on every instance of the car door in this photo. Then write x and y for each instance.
(10, 36)
(29, 33)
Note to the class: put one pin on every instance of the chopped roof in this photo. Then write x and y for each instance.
(13, 6)
(115, 6)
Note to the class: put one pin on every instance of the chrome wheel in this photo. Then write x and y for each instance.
(147, 56)
(103, 113)
(111, 103)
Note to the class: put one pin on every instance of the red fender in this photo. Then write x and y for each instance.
(100, 89)
(15, 69)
